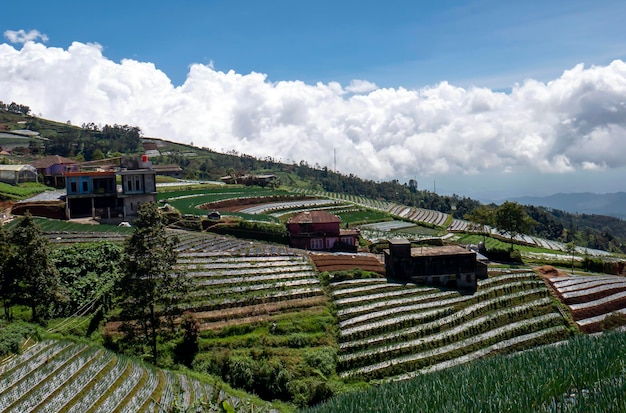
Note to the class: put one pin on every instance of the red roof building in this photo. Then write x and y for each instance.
(320, 231)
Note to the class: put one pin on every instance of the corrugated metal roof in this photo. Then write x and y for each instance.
(16, 167)
(314, 217)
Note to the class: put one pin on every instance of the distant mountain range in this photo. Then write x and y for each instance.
(581, 203)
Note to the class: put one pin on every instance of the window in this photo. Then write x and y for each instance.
(317, 244)
(85, 186)
(73, 186)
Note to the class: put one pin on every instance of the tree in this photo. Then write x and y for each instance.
(7, 277)
(150, 287)
(481, 219)
(510, 218)
(97, 155)
(30, 262)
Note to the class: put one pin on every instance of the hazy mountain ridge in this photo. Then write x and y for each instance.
(612, 204)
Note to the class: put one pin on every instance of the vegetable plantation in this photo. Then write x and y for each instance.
(586, 374)
(394, 329)
(591, 299)
(66, 376)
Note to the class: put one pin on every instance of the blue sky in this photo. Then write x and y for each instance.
(373, 51)
(396, 43)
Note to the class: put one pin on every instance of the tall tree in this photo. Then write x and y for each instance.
(481, 219)
(511, 219)
(150, 287)
(7, 277)
(30, 262)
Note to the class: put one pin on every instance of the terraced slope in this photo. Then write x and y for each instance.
(394, 330)
(64, 376)
(591, 298)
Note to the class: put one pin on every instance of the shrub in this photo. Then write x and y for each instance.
(324, 360)
(13, 335)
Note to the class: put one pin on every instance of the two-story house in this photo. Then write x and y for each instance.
(319, 231)
(97, 193)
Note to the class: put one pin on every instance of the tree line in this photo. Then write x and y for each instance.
(14, 108)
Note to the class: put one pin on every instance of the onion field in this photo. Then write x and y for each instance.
(65, 376)
(393, 330)
(586, 374)
(591, 299)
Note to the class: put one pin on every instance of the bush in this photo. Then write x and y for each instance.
(307, 392)
(13, 335)
(324, 360)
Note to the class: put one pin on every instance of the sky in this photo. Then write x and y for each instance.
(485, 99)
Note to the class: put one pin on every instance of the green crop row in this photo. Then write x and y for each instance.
(586, 374)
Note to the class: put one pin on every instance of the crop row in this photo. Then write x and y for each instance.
(379, 328)
(377, 333)
(453, 348)
(418, 301)
(474, 326)
(224, 245)
(69, 377)
(591, 299)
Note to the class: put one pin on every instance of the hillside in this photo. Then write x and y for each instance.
(581, 203)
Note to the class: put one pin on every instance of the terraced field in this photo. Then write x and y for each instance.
(65, 376)
(591, 298)
(395, 330)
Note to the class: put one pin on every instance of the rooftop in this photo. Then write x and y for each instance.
(314, 217)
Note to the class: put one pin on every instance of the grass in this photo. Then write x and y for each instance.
(364, 216)
(187, 201)
(21, 191)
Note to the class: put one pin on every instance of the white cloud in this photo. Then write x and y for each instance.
(575, 122)
(21, 36)
(361, 86)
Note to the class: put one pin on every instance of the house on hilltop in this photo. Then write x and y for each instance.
(449, 265)
(53, 168)
(321, 231)
(96, 193)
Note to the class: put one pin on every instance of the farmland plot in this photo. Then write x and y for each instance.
(393, 330)
(55, 376)
(239, 289)
(591, 299)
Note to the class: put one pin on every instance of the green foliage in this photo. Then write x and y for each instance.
(327, 278)
(21, 191)
(511, 218)
(88, 273)
(323, 359)
(585, 374)
(187, 347)
(13, 335)
(35, 279)
(613, 321)
(150, 288)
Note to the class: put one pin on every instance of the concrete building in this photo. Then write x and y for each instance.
(96, 193)
(449, 265)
